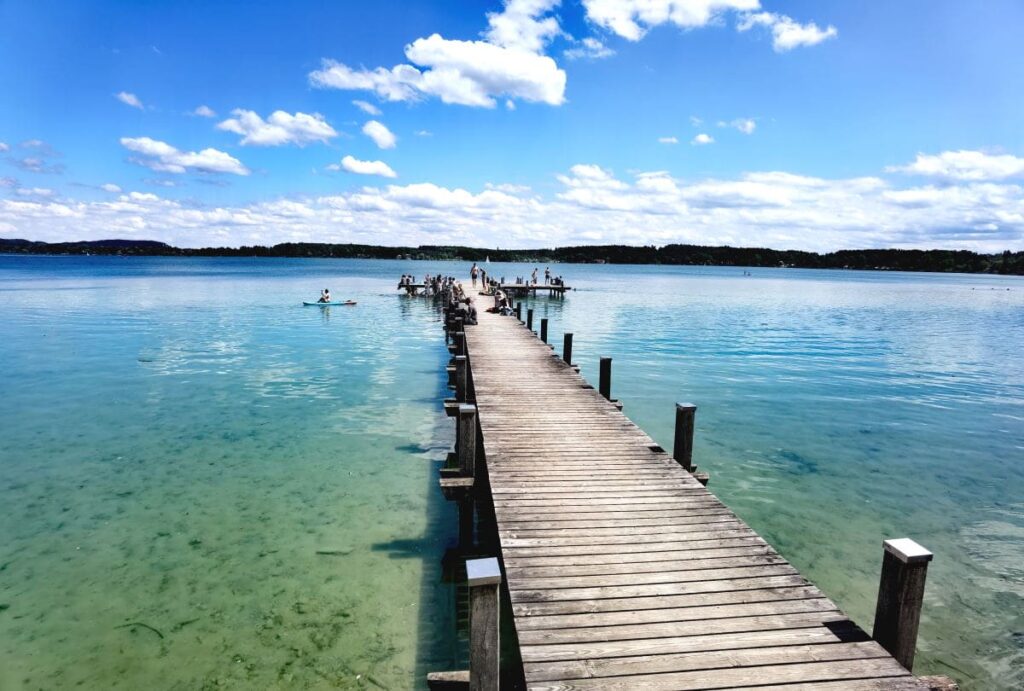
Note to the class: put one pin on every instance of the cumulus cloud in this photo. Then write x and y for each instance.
(367, 108)
(4, 147)
(508, 63)
(964, 165)
(593, 205)
(204, 112)
(164, 158)
(380, 134)
(668, 140)
(280, 128)
(129, 99)
(354, 165)
(787, 33)
(589, 47)
(110, 187)
(632, 19)
(744, 125)
(702, 139)
(423, 133)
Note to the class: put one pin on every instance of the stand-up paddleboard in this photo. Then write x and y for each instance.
(347, 303)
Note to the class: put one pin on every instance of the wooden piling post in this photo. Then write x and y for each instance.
(544, 330)
(466, 522)
(605, 383)
(461, 378)
(682, 449)
(567, 348)
(519, 311)
(900, 594)
(484, 578)
(467, 439)
(529, 319)
(459, 338)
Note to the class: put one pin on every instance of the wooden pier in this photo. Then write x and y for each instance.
(623, 570)
(526, 288)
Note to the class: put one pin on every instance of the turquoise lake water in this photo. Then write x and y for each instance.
(184, 447)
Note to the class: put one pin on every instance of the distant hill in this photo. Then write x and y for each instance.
(960, 261)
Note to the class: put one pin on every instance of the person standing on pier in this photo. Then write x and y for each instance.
(473, 273)
(547, 275)
(533, 276)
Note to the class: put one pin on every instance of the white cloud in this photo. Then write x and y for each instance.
(423, 133)
(4, 147)
(35, 192)
(164, 158)
(702, 139)
(508, 63)
(129, 99)
(631, 19)
(668, 140)
(744, 125)
(522, 24)
(589, 47)
(110, 187)
(964, 165)
(367, 108)
(354, 165)
(380, 134)
(280, 128)
(772, 208)
(696, 121)
(787, 33)
(204, 112)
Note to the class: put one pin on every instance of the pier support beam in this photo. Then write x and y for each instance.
(529, 319)
(900, 594)
(605, 382)
(461, 378)
(484, 577)
(567, 348)
(519, 311)
(467, 440)
(459, 341)
(544, 330)
(682, 449)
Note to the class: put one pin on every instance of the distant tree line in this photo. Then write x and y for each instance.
(960, 261)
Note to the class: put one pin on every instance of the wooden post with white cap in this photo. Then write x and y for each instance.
(900, 594)
(484, 577)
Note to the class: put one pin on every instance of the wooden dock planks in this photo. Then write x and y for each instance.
(624, 572)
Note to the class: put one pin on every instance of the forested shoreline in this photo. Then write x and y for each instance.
(947, 261)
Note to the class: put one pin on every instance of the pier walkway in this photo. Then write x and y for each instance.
(624, 571)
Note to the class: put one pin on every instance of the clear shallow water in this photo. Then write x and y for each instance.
(179, 440)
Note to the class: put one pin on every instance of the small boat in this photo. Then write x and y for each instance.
(347, 303)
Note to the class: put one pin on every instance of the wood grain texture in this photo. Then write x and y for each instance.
(623, 571)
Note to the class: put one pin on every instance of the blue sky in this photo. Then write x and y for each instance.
(814, 125)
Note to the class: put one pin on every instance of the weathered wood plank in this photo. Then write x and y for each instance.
(683, 662)
(739, 677)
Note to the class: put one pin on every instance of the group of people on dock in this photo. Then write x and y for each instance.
(549, 280)
(451, 291)
(447, 288)
(432, 285)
